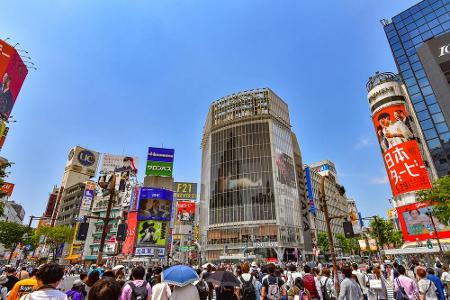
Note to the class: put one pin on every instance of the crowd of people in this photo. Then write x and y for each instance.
(308, 281)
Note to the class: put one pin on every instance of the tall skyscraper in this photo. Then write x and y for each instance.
(415, 36)
(250, 200)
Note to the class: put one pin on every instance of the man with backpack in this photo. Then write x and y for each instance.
(138, 288)
(404, 287)
(247, 289)
(272, 286)
(202, 286)
(312, 284)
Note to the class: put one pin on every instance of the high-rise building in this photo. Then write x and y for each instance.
(335, 196)
(417, 37)
(250, 202)
(51, 202)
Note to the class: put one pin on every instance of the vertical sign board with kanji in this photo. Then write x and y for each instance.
(401, 154)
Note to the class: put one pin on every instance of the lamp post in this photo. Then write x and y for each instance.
(430, 215)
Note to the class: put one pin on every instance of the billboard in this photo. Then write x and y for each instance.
(401, 154)
(362, 245)
(7, 188)
(285, 169)
(12, 75)
(185, 190)
(160, 162)
(185, 212)
(152, 233)
(88, 195)
(82, 160)
(155, 204)
(3, 137)
(416, 222)
(119, 163)
(128, 245)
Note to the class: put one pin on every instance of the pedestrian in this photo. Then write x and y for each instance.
(362, 280)
(312, 284)
(427, 289)
(149, 274)
(377, 286)
(205, 275)
(291, 275)
(3, 289)
(92, 278)
(202, 286)
(405, 285)
(187, 292)
(157, 272)
(349, 288)
(438, 269)
(138, 288)
(247, 289)
(12, 279)
(272, 286)
(48, 277)
(297, 289)
(160, 291)
(437, 282)
(24, 287)
(104, 289)
(327, 285)
(226, 293)
(76, 292)
(23, 273)
(445, 278)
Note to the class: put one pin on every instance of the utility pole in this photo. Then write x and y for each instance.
(330, 236)
(106, 219)
(436, 233)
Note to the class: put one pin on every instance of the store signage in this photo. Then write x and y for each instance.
(389, 89)
(155, 193)
(444, 50)
(186, 248)
(265, 244)
(86, 158)
(185, 190)
(160, 154)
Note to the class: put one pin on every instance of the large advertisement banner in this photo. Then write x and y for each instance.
(155, 204)
(285, 169)
(160, 162)
(402, 158)
(416, 222)
(7, 188)
(119, 163)
(152, 233)
(185, 212)
(12, 75)
(88, 195)
(185, 190)
(128, 245)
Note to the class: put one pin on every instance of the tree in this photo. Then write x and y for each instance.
(3, 175)
(438, 194)
(55, 236)
(348, 246)
(322, 242)
(12, 233)
(385, 233)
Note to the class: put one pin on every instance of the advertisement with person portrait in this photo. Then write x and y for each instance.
(88, 195)
(402, 158)
(154, 209)
(152, 233)
(285, 169)
(128, 245)
(417, 224)
(119, 163)
(12, 75)
(185, 212)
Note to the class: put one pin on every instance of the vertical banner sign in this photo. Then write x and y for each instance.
(185, 190)
(88, 195)
(128, 245)
(7, 188)
(12, 75)
(401, 153)
(160, 162)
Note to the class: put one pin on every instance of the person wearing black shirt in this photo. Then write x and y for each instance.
(12, 279)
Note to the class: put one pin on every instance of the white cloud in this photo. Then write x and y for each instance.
(363, 142)
(380, 180)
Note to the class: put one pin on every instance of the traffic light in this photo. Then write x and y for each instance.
(429, 244)
(121, 232)
(348, 230)
(82, 231)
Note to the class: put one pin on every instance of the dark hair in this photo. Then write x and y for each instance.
(109, 273)
(209, 268)
(418, 212)
(33, 272)
(299, 282)
(93, 277)
(347, 272)
(271, 268)
(292, 268)
(421, 272)
(138, 272)
(355, 266)
(104, 289)
(158, 270)
(307, 269)
(198, 271)
(401, 270)
(430, 271)
(50, 273)
(395, 264)
(83, 276)
(384, 116)
(438, 264)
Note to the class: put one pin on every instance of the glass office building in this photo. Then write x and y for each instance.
(407, 32)
(249, 195)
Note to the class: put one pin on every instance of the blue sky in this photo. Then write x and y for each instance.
(119, 76)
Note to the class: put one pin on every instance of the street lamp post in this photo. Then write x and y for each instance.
(430, 215)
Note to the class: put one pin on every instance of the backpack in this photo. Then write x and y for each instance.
(310, 284)
(323, 287)
(401, 294)
(273, 290)
(203, 290)
(138, 292)
(248, 290)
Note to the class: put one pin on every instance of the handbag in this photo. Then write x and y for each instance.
(375, 284)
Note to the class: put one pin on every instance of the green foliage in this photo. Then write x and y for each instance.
(322, 242)
(54, 236)
(348, 246)
(3, 175)
(12, 233)
(385, 233)
(439, 194)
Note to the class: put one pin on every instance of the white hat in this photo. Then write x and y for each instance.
(117, 268)
(77, 282)
(3, 279)
(254, 264)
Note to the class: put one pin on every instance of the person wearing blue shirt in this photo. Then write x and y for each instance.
(437, 282)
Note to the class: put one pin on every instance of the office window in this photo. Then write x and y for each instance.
(410, 81)
(411, 27)
(427, 124)
(434, 144)
(436, 5)
(403, 32)
(430, 17)
(427, 90)
(416, 98)
(420, 106)
(441, 11)
(408, 20)
(430, 134)
(444, 18)
(417, 15)
(437, 118)
(417, 40)
(423, 82)
(445, 137)
(427, 35)
(446, 25)
(402, 59)
(437, 30)
(413, 89)
(433, 23)
(441, 127)
(394, 39)
(417, 66)
(407, 73)
(423, 115)
(431, 99)
(434, 108)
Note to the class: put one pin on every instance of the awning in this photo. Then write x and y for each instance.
(73, 257)
(415, 250)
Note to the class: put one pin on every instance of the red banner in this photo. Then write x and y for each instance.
(185, 212)
(7, 188)
(417, 224)
(128, 245)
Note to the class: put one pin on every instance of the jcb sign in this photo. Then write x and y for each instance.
(444, 50)
(185, 190)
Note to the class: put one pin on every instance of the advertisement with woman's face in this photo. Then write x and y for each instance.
(417, 220)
